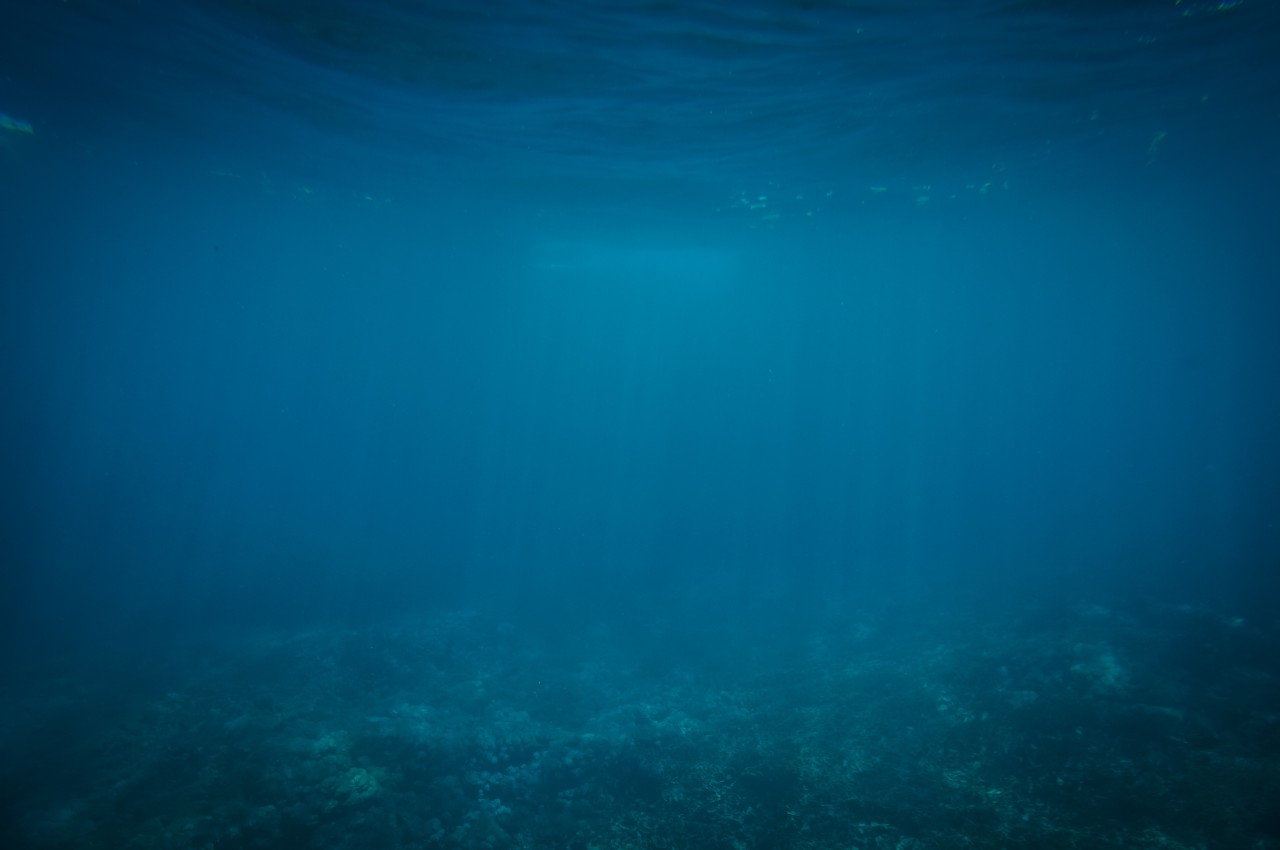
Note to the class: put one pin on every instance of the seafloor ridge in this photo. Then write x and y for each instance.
(1090, 729)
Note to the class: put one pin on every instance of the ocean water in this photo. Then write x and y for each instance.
(617, 425)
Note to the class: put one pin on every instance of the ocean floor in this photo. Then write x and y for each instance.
(1152, 727)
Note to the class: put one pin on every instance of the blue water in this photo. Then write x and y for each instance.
(636, 424)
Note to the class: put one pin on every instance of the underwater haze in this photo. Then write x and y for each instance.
(616, 425)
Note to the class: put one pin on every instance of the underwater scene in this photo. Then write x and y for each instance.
(635, 425)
